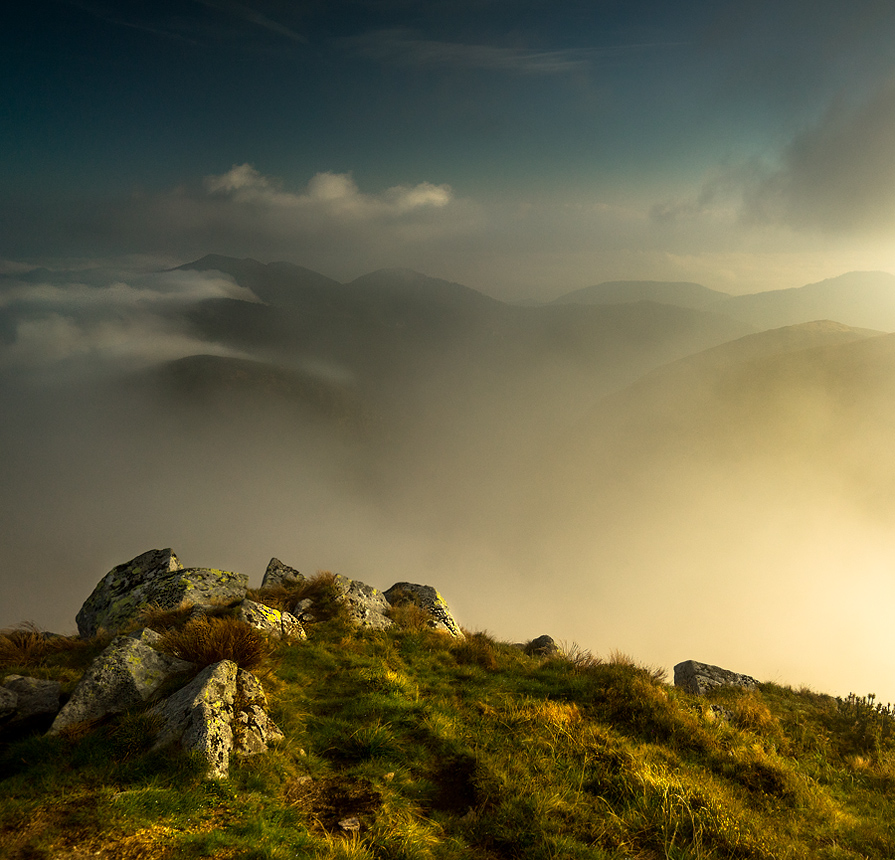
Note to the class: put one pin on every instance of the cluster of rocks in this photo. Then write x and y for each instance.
(218, 710)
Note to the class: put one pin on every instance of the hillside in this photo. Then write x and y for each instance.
(407, 743)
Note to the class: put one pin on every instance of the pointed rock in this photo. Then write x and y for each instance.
(428, 599)
(278, 573)
(198, 717)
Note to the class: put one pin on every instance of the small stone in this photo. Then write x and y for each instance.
(351, 824)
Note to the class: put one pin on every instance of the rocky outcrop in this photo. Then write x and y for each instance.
(126, 673)
(273, 622)
(278, 573)
(427, 599)
(156, 578)
(35, 697)
(221, 711)
(699, 678)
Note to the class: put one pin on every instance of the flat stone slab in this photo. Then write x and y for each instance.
(37, 697)
(699, 678)
(157, 578)
(273, 622)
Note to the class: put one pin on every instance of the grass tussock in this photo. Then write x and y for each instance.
(406, 743)
(205, 640)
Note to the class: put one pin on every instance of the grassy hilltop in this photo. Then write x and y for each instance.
(410, 744)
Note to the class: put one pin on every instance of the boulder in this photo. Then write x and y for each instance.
(198, 717)
(699, 678)
(223, 710)
(278, 573)
(154, 578)
(428, 599)
(126, 673)
(36, 697)
(9, 703)
(543, 646)
(273, 622)
(367, 606)
(253, 729)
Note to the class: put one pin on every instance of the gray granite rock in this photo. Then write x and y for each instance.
(280, 625)
(698, 678)
(367, 606)
(37, 697)
(428, 599)
(278, 573)
(198, 717)
(253, 729)
(9, 703)
(126, 673)
(154, 578)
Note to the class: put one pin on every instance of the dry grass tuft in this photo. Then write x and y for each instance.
(205, 640)
(26, 646)
(476, 649)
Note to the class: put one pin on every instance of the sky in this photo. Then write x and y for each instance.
(523, 148)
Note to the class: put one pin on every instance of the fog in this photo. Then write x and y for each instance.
(733, 509)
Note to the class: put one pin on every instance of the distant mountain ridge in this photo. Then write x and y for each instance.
(684, 294)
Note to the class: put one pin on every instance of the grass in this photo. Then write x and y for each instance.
(431, 747)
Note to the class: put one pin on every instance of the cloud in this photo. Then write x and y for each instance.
(63, 323)
(836, 176)
(404, 47)
(333, 194)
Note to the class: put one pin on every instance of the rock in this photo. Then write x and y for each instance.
(9, 703)
(126, 673)
(543, 646)
(698, 678)
(430, 600)
(154, 578)
(253, 729)
(367, 606)
(350, 824)
(36, 696)
(278, 573)
(280, 625)
(198, 717)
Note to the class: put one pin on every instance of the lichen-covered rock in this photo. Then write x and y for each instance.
(428, 599)
(698, 678)
(253, 729)
(9, 703)
(198, 717)
(280, 625)
(543, 646)
(154, 578)
(278, 573)
(367, 606)
(126, 673)
(37, 697)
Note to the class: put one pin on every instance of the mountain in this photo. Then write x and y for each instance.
(862, 299)
(684, 294)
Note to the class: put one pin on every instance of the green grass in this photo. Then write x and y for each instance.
(448, 749)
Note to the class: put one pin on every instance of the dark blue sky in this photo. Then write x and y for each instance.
(744, 145)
